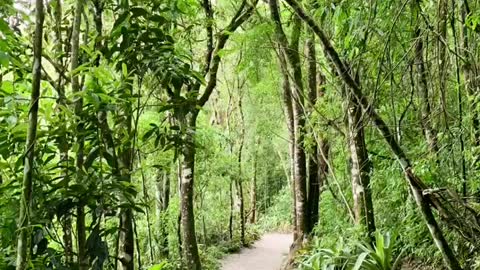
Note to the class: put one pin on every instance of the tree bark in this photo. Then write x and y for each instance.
(187, 118)
(63, 144)
(126, 243)
(253, 192)
(162, 199)
(360, 167)
(147, 208)
(422, 84)
(230, 218)
(287, 101)
(313, 186)
(299, 126)
(24, 221)
(416, 185)
(470, 78)
(75, 44)
(190, 248)
(460, 94)
(293, 58)
(240, 175)
(442, 55)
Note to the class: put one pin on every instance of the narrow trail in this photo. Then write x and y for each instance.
(267, 253)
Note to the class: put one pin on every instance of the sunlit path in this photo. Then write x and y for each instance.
(266, 254)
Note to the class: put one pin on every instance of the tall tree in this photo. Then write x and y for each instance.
(187, 116)
(422, 83)
(63, 143)
(126, 240)
(240, 172)
(24, 221)
(78, 109)
(360, 166)
(253, 190)
(313, 186)
(291, 53)
(470, 74)
(442, 11)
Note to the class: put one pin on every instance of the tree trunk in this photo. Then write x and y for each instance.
(360, 167)
(240, 175)
(299, 124)
(162, 199)
(292, 55)
(313, 158)
(147, 208)
(75, 44)
(287, 101)
(24, 237)
(242, 211)
(63, 144)
(470, 77)
(166, 203)
(126, 243)
(460, 94)
(253, 192)
(232, 204)
(422, 84)
(416, 185)
(190, 249)
(442, 55)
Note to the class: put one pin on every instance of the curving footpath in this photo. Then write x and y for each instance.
(266, 254)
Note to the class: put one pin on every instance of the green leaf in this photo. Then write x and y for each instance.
(49, 158)
(159, 19)
(360, 261)
(7, 87)
(120, 20)
(138, 12)
(149, 134)
(4, 28)
(4, 59)
(124, 70)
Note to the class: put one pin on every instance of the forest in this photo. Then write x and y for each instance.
(177, 134)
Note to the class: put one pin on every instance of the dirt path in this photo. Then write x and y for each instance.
(266, 254)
